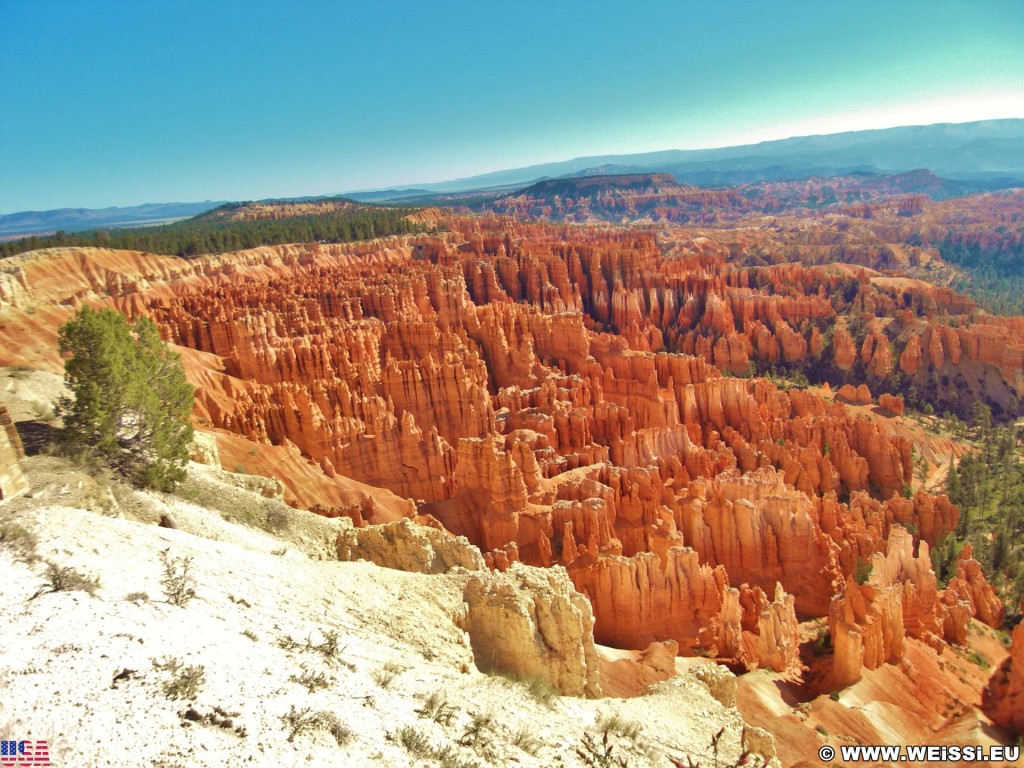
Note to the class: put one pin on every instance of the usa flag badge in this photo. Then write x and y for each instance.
(24, 753)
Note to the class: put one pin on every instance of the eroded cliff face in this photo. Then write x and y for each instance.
(561, 397)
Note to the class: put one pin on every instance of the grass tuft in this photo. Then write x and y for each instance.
(436, 708)
(618, 725)
(19, 540)
(415, 743)
(386, 675)
(66, 579)
(524, 740)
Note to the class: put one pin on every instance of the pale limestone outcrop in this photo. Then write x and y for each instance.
(720, 682)
(530, 622)
(405, 546)
(203, 449)
(269, 487)
(12, 479)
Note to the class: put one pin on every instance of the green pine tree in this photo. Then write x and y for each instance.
(131, 401)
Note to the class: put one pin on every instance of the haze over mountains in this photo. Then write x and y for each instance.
(78, 219)
(988, 153)
(984, 149)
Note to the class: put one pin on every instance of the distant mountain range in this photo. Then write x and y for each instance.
(988, 150)
(988, 154)
(78, 219)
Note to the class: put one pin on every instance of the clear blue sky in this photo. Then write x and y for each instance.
(119, 103)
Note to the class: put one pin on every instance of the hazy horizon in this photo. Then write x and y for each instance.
(120, 104)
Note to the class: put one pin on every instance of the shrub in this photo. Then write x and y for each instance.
(976, 658)
(185, 682)
(299, 721)
(599, 754)
(177, 580)
(21, 541)
(475, 733)
(66, 579)
(310, 680)
(131, 402)
(437, 708)
(862, 570)
(328, 648)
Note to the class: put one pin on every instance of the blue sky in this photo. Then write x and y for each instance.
(120, 103)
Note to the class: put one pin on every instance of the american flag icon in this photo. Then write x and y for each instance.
(24, 753)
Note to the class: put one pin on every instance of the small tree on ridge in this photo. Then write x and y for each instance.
(131, 401)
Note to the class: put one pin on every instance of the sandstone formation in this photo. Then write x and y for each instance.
(530, 623)
(618, 197)
(405, 546)
(866, 627)
(892, 404)
(896, 596)
(969, 594)
(1004, 697)
(12, 479)
(630, 673)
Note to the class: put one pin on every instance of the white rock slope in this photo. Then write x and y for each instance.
(277, 631)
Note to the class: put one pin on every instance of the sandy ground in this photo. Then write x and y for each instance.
(93, 674)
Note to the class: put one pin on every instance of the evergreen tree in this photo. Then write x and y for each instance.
(131, 401)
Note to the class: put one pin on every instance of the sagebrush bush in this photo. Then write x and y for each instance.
(185, 682)
(299, 721)
(177, 580)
